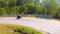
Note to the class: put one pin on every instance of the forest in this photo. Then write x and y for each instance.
(46, 7)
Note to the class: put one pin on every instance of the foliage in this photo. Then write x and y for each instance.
(47, 7)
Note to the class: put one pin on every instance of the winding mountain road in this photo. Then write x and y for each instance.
(51, 26)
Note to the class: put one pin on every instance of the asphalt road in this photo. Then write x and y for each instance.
(51, 26)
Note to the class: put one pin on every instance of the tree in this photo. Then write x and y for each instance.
(13, 10)
(12, 3)
(49, 7)
(2, 4)
(31, 8)
(21, 2)
(3, 11)
(57, 13)
(38, 9)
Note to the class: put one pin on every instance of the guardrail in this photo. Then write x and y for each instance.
(28, 15)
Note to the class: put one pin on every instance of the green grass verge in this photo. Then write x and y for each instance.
(17, 29)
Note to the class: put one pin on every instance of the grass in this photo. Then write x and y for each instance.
(17, 29)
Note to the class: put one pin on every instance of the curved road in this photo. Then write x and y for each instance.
(46, 25)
